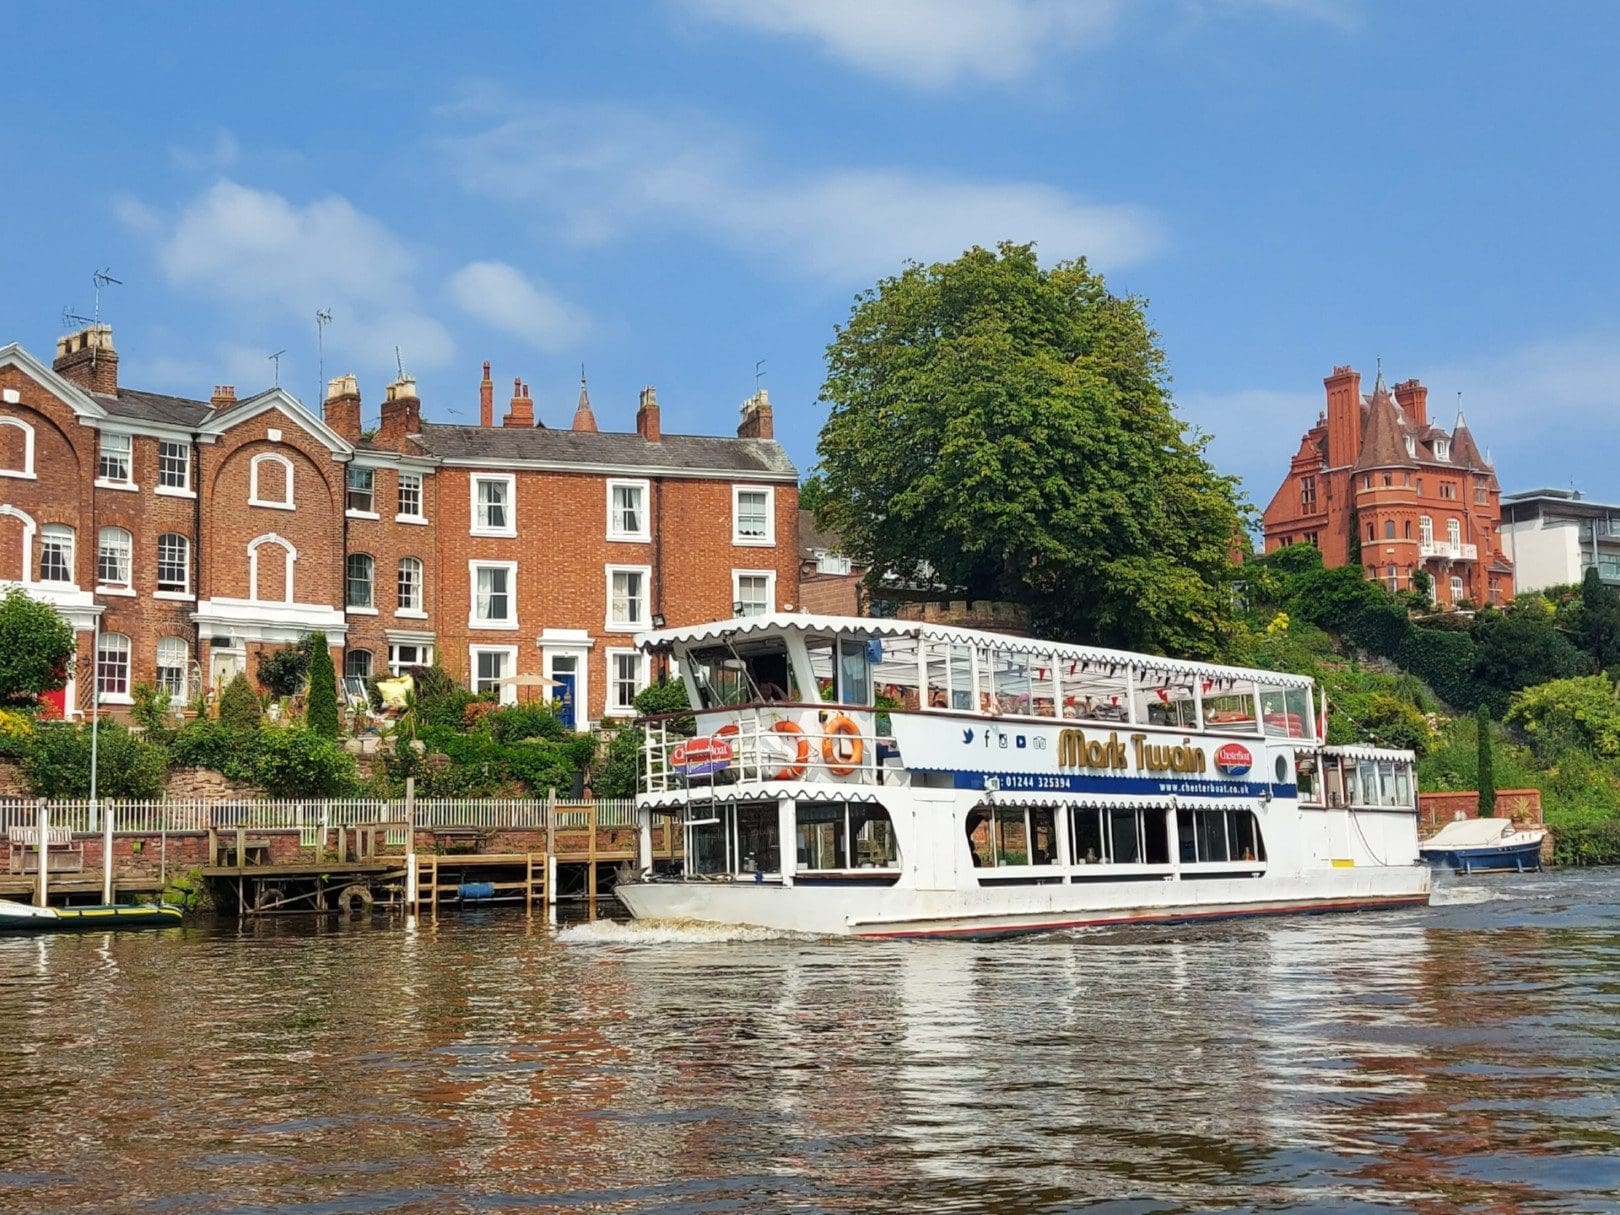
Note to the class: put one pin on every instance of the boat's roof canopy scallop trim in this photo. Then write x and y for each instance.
(744, 626)
(702, 797)
(1382, 753)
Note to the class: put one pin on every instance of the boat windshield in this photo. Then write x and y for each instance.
(737, 675)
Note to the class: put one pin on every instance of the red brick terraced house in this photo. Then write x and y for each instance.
(199, 533)
(1375, 483)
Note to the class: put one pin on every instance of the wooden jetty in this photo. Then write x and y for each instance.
(262, 858)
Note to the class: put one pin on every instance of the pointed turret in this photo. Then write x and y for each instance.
(584, 417)
(1384, 445)
(1464, 450)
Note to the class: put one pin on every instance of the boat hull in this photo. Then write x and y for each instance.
(16, 918)
(1515, 858)
(897, 912)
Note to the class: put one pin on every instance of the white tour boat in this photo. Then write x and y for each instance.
(888, 778)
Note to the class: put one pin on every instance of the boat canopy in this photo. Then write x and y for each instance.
(744, 627)
(1472, 833)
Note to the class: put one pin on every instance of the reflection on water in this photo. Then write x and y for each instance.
(1462, 1057)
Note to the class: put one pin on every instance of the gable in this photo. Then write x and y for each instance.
(275, 400)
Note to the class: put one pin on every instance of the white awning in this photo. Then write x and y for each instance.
(1382, 753)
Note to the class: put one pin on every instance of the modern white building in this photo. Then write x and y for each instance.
(1553, 536)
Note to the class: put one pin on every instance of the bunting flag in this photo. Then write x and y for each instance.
(1164, 694)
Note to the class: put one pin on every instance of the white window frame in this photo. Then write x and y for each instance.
(26, 472)
(184, 591)
(368, 608)
(116, 586)
(177, 695)
(271, 457)
(291, 554)
(1442, 449)
(510, 622)
(1458, 590)
(371, 662)
(402, 516)
(415, 610)
(355, 512)
(49, 535)
(614, 531)
(424, 655)
(1453, 532)
(116, 644)
(507, 693)
(127, 481)
(615, 707)
(770, 589)
(1426, 529)
(510, 481)
(768, 540)
(613, 626)
(183, 490)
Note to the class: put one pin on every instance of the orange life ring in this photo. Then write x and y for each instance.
(839, 761)
(801, 758)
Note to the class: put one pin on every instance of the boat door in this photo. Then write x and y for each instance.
(933, 850)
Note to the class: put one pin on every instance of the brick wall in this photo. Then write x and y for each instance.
(1435, 810)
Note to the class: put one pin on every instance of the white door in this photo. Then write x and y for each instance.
(935, 847)
(223, 666)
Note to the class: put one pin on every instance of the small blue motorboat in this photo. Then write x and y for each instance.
(1485, 845)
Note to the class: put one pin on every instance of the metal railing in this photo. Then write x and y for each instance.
(1445, 548)
(310, 817)
(763, 744)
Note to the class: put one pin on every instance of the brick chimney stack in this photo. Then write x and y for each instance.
(224, 396)
(88, 359)
(1343, 416)
(342, 409)
(521, 411)
(756, 418)
(1413, 399)
(486, 399)
(401, 414)
(648, 424)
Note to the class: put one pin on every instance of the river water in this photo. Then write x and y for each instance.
(1463, 1057)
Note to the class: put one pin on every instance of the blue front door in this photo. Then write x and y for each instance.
(564, 692)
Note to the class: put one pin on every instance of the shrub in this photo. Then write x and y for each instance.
(35, 647)
(1380, 627)
(239, 707)
(1487, 768)
(283, 671)
(298, 762)
(438, 699)
(1588, 844)
(1444, 661)
(214, 744)
(322, 714)
(1569, 714)
(518, 722)
(57, 763)
(16, 731)
(151, 712)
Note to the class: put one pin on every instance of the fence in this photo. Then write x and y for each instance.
(310, 817)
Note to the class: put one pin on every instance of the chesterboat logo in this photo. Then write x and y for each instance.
(1233, 759)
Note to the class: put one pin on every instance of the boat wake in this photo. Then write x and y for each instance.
(1462, 896)
(671, 932)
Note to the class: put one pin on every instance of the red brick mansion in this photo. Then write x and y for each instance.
(190, 534)
(1375, 483)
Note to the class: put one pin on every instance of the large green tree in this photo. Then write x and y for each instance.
(35, 647)
(1598, 625)
(1002, 431)
(322, 714)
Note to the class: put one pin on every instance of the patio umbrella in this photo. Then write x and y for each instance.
(529, 680)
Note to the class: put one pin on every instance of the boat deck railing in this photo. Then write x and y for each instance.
(762, 743)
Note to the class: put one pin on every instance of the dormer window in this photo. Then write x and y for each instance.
(1442, 449)
(1411, 446)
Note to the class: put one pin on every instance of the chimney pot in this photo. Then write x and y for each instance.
(486, 398)
(521, 410)
(756, 420)
(224, 394)
(342, 409)
(648, 422)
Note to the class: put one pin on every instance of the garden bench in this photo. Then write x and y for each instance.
(62, 855)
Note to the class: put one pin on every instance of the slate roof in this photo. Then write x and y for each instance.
(1464, 450)
(1384, 445)
(155, 407)
(813, 540)
(693, 453)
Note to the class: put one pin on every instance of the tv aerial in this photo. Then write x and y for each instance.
(276, 359)
(323, 318)
(103, 278)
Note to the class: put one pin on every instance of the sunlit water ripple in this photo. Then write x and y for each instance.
(1463, 1057)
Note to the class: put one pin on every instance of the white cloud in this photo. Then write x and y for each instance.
(221, 154)
(602, 171)
(272, 261)
(501, 297)
(927, 44)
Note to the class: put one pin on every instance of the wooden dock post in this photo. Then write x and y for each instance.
(413, 872)
(590, 852)
(433, 892)
(42, 825)
(551, 844)
(528, 886)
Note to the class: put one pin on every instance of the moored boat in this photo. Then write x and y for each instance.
(889, 778)
(1483, 845)
(24, 918)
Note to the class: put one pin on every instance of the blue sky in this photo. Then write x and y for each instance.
(668, 192)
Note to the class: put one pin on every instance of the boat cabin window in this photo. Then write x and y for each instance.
(845, 835)
(950, 674)
(1286, 712)
(1119, 836)
(1218, 835)
(743, 674)
(1379, 782)
(1166, 701)
(1092, 691)
(1012, 835)
(734, 840)
(1230, 711)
